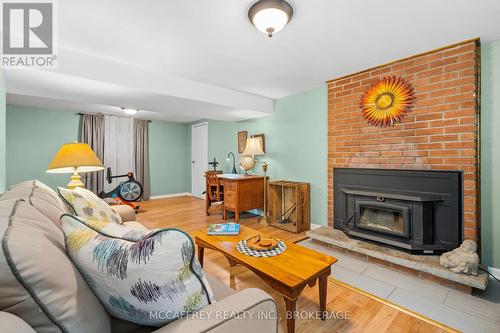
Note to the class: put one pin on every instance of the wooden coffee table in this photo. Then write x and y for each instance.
(288, 273)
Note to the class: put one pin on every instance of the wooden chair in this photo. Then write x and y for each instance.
(215, 192)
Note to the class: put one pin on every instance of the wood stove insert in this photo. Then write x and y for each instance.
(416, 210)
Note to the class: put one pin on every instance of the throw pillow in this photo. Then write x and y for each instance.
(39, 283)
(148, 280)
(133, 233)
(85, 203)
(40, 196)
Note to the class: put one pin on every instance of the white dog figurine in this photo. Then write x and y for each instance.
(463, 259)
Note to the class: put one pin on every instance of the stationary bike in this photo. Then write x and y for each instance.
(127, 192)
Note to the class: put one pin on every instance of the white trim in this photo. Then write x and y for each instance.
(316, 226)
(173, 195)
(199, 124)
(494, 271)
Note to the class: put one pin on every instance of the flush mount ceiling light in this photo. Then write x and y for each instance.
(130, 112)
(270, 16)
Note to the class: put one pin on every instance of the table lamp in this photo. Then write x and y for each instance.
(75, 158)
(253, 148)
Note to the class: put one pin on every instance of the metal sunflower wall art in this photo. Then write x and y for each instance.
(387, 101)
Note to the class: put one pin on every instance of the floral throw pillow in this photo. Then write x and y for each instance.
(149, 279)
(85, 203)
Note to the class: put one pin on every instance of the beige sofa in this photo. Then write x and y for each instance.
(42, 291)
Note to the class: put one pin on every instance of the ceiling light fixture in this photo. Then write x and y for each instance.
(270, 16)
(130, 112)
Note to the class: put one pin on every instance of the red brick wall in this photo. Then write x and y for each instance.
(440, 133)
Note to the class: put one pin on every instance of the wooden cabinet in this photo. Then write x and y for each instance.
(289, 205)
(242, 193)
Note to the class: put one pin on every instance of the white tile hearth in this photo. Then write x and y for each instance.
(409, 282)
(479, 312)
(442, 313)
(475, 306)
(373, 286)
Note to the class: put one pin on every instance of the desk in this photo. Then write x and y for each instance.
(241, 193)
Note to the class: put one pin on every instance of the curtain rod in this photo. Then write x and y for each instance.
(102, 114)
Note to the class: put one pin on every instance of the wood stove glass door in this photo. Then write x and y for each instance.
(383, 218)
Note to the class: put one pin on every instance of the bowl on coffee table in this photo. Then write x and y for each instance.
(259, 243)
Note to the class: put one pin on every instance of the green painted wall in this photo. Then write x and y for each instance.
(490, 154)
(296, 137)
(3, 135)
(168, 155)
(34, 136)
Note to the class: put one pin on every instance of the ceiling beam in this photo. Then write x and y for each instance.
(92, 80)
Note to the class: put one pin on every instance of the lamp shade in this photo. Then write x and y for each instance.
(253, 147)
(75, 157)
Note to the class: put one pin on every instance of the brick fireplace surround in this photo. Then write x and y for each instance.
(440, 133)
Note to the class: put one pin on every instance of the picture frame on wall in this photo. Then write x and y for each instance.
(242, 141)
(262, 140)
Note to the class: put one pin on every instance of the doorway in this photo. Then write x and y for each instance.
(199, 158)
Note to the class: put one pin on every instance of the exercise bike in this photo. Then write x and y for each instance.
(127, 192)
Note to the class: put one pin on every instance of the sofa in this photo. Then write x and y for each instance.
(42, 291)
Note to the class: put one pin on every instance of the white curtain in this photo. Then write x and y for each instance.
(118, 147)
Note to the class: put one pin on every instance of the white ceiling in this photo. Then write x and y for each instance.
(193, 59)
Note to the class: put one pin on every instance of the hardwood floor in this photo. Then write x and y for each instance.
(188, 214)
(364, 312)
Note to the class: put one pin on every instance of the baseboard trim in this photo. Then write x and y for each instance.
(173, 195)
(316, 226)
(494, 271)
